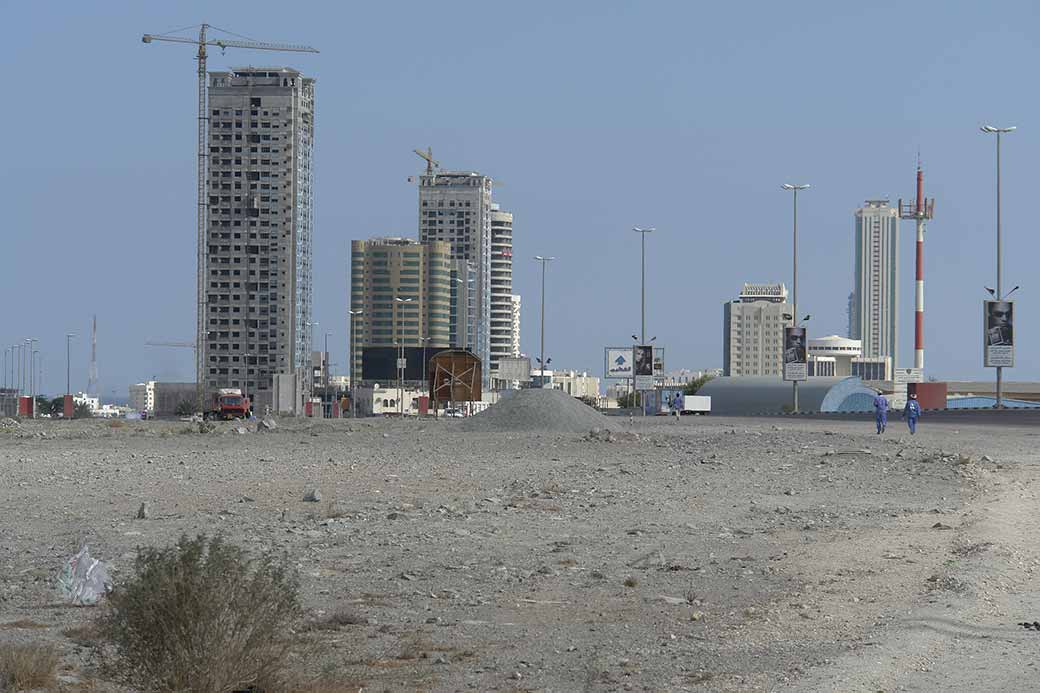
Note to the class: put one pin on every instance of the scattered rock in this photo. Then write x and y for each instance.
(312, 496)
(696, 615)
(940, 525)
(142, 512)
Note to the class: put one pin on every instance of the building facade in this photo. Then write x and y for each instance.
(516, 325)
(501, 287)
(260, 223)
(455, 207)
(841, 349)
(873, 307)
(383, 270)
(156, 398)
(753, 331)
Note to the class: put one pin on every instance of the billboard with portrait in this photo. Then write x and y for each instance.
(998, 337)
(643, 366)
(794, 358)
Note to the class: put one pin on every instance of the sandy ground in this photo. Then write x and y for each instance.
(711, 554)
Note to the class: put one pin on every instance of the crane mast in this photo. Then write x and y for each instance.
(203, 120)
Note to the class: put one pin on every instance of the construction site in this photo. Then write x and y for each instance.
(544, 546)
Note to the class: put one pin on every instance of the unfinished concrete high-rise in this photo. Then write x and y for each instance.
(455, 206)
(259, 228)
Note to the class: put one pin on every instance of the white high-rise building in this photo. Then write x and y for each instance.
(753, 331)
(873, 308)
(501, 286)
(516, 325)
(259, 227)
(455, 206)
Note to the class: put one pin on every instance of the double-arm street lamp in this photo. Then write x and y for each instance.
(794, 188)
(1000, 296)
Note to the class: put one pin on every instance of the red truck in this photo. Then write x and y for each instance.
(228, 403)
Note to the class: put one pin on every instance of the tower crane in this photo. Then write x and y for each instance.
(202, 41)
(428, 157)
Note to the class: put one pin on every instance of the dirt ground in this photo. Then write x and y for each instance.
(709, 554)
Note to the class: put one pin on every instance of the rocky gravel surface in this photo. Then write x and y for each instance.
(651, 554)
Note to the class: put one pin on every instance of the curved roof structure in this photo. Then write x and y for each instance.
(769, 395)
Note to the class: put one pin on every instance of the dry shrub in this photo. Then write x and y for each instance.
(25, 667)
(201, 616)
(116, 423)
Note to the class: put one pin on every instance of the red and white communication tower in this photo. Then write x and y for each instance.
(920, 211)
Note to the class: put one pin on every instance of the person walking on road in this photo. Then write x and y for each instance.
(677, 405)
(912, 412)
(880, 412)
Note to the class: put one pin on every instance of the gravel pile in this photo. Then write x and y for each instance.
(537, 410)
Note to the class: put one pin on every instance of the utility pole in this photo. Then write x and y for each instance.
(32, 375)
(203, 121)
(353, 371)
(541, 361)
(401, 363)
(794, 300)
(1000, 278)
(642, 304)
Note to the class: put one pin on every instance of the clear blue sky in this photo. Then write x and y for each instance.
(598, 116)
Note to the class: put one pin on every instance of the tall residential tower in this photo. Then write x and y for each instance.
(501, 286)
(259, 228)
(455, 206)
(400, 294)
(875, 300)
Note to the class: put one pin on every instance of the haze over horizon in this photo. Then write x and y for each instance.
(597, 118)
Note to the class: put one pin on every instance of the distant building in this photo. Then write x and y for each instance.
(156, 398)
(874, 306)
(753, 331)
(374, 400)
(820, 366)
(575, 383)
(455, 207)
(92, 403)
(841, 349)
(319, 369)
(384, 270)
(516, 325)
(501, 287)
(873, 368)
(260, 217)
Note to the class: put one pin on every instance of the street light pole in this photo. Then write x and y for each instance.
(642, 302)
(32, 375)
(353, 372)
(541, 361)
(325, 370)
(1000, 283)
(400, 357)
(794, 300)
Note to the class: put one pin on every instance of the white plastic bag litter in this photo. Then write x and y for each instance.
(83, 580)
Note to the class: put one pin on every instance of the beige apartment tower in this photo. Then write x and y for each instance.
(383, 270)
(753, 331)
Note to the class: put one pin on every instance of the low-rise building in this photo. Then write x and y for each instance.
(92, 403)
(155, 398)
(841, 349)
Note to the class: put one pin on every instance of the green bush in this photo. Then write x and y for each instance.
(201, 616)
